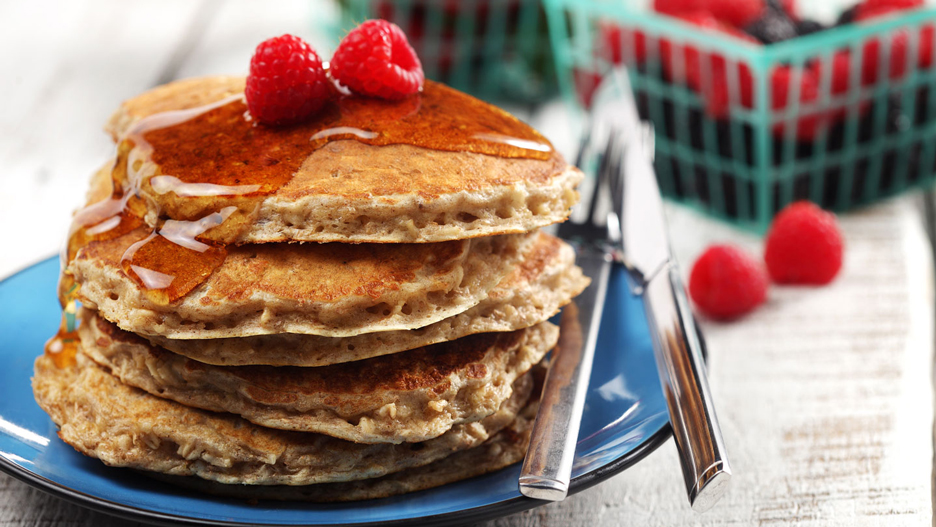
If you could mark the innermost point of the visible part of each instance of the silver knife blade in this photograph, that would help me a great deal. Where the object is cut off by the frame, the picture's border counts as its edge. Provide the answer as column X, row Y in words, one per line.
column 644, row 236
column 655, row 276
column 643, row 228
column 547, row 468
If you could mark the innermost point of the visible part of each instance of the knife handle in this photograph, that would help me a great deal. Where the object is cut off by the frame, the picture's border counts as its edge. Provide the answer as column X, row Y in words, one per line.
column 682, row 375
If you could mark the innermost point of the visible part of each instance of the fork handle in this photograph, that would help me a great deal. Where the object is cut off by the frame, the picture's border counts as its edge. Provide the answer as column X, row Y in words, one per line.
column 682, row 373
column 547, row 468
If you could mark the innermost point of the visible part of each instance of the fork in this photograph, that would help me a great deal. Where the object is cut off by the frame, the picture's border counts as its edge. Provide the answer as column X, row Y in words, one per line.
column 547, row 468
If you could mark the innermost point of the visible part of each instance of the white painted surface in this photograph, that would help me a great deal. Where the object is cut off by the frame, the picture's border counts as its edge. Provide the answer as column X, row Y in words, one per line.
column 825, row 395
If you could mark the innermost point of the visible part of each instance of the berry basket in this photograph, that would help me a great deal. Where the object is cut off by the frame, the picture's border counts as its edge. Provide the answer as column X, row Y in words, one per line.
column 840, row 117
column 494, row 49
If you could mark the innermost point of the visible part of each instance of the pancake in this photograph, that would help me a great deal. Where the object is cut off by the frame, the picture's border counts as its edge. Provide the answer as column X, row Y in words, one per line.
column 505, row 448
column 126, row 427
column 178, row 95
column 333, row 290
column 344, row 191
column 411, row 396
column 545, row 280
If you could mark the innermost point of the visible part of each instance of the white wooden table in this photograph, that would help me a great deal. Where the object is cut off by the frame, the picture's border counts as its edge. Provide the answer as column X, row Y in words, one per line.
column 825, row 395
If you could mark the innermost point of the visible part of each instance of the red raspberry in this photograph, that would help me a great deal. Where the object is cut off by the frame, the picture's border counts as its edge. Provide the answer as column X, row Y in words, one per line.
column 726, row 282
column 613, row 39
column 738, row 13
column 871, row 61
column 586, row 84
column 872, row 8
column 287, row 83
column 715, row 91
column 376, row 59
column 804, row 245
column 809, row 122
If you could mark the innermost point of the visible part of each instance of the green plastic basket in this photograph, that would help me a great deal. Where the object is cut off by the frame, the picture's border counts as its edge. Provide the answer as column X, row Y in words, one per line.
column 729, row 142
column 497, row 50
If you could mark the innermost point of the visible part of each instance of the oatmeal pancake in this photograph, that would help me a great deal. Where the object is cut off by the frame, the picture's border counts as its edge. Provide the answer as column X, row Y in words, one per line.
column 505, row 448
column 325, row 181
column 411, row 396
column 126, row 427
column 333, row 290
column 545, row 280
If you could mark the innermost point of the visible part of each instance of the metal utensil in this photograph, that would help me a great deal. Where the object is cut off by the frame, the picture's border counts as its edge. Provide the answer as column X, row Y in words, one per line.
column 547, row 467
column 655, row 276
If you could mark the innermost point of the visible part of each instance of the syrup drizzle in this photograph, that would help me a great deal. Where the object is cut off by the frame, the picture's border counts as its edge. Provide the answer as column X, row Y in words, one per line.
column 64, row 345
column 216, row 151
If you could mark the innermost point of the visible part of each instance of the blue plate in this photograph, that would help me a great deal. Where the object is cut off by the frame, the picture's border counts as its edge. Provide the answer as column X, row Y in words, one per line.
column 625, row 419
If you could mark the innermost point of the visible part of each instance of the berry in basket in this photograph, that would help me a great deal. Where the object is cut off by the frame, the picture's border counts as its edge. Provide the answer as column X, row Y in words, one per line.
column 773, row 25
column 749, row 118
column 755, row 22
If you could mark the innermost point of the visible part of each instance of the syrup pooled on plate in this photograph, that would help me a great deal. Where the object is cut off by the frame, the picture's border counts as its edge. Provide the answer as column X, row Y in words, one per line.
column 217, row 154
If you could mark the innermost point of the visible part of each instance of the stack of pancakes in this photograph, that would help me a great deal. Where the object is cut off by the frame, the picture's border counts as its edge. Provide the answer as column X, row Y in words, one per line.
column 369, row 323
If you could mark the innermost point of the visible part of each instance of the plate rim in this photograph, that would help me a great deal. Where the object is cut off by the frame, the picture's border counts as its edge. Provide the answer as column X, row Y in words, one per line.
column 473, row 514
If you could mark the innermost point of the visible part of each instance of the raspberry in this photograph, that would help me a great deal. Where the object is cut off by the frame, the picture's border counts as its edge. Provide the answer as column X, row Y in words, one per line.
column 287, row 83
column 726, row 282
column 804, row 245
column 873, row 8
column 376, row 59
column 809, row 122
column 715, row 91
column 871, row 62
column 586, row 84
column 616, row 42
column 738, row 13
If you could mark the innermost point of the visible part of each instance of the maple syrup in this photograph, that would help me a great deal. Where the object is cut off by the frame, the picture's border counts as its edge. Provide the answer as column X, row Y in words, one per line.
column 63, row 347
column 216, row 150
column 220, row 147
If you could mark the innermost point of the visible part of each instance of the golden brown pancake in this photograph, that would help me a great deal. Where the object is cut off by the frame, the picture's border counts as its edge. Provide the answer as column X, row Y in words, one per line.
column 505, row 448
column 545, row 280
column 411, row 396
column 347, row 190
column 332, row 290
column 126, row 427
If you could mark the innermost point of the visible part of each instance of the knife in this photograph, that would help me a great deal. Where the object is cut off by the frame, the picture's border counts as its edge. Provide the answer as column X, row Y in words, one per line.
column 654, row 275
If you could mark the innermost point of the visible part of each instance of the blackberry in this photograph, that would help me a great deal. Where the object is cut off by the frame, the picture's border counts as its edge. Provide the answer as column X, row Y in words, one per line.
column 774, row 25
column 897, row 118
column 847, row 16
column 806, row 27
